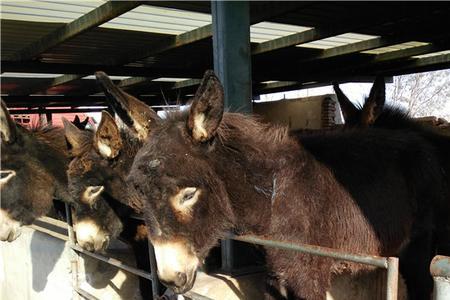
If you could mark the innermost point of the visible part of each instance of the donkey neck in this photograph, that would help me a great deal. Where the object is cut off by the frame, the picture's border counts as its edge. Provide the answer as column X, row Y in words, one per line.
column 250, row 158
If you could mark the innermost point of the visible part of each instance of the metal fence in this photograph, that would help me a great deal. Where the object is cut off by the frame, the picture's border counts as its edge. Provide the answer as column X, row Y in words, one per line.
column 388, row 263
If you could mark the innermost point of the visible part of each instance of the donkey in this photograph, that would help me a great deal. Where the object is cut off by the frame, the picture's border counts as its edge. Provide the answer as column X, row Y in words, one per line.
column 375, row 113
column 100, row 162
column 38, row 159
column 204, row 172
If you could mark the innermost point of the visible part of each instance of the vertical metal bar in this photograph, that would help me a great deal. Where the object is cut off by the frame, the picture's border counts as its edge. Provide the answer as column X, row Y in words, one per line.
column 232, row 52
column 232, row 64
column 73, row 254
column 440, row 270
column 392, row 278
column 153, row 271
column 48, row 117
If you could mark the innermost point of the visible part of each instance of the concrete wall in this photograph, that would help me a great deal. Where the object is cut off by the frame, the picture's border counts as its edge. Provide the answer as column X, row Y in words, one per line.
column 36, row 266
column 301, row 113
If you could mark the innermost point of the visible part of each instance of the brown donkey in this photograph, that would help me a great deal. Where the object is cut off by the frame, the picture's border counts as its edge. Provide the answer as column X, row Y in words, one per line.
column 205, row 172
column 38, row 159
column 101, row 161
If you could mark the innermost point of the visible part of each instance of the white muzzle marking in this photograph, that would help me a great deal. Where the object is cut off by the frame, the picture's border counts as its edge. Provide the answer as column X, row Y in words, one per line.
column 9, row 228
column 173, row 257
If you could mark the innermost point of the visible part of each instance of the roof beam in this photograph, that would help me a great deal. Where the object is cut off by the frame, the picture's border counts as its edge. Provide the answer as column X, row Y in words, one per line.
column 370, row 67
column 63, row 100
column 94, row 18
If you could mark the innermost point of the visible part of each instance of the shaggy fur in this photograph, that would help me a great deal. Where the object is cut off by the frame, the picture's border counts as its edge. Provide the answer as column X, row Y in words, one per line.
column 368, row 193
column 39, row 158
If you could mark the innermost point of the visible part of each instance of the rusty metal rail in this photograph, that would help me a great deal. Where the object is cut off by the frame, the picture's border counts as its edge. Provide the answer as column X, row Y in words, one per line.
column 389, row 263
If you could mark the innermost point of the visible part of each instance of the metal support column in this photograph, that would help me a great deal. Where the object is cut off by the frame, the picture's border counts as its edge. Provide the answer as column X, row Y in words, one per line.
column 232, row 52
column 232, row 64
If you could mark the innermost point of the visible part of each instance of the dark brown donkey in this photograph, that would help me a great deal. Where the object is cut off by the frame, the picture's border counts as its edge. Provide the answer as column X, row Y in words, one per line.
column 39, row 160
column 375, row 113
column 101, row 161
column 205, row 172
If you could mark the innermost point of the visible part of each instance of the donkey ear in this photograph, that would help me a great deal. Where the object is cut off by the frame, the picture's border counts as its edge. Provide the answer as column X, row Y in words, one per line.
column 107, row 138
column 375, row 102
column 134, row 113
column 8, row 128
column 91, row 194
column 207, row 108
column 85, row 122
column 5, row 176
column 74, row 136
column 348, row 109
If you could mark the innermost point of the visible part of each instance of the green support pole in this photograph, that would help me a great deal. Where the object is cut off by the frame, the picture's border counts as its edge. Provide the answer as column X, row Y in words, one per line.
column 232, row 52
column 232, row 64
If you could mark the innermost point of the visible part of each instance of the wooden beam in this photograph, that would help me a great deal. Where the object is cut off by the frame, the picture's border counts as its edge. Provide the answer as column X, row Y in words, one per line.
column 94, row 18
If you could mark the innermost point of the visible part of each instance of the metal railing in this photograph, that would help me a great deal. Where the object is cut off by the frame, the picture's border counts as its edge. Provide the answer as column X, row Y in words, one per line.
column 440, row 270
column 388, row 263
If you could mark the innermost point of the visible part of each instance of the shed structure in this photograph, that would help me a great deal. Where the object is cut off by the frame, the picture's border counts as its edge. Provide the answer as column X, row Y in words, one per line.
column 158, row 50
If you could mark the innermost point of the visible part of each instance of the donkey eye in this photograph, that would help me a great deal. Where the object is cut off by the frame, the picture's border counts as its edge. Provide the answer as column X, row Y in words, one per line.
column 189, row 193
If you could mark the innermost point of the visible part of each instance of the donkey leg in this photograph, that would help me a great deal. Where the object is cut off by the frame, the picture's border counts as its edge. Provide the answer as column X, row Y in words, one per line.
column 275, row 290
column 414, row 267
column 303, row 276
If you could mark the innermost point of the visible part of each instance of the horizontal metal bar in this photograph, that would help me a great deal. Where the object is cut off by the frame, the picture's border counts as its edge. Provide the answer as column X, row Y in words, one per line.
column 195, row 296
column 440, row 266
column 377, row 261
column 114, row 262
column 55, row 111
column 50, row 232
column 84, row 293
column 54, row 222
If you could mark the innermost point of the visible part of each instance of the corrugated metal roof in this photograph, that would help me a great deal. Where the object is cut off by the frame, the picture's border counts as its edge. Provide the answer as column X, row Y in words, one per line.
column 396, row 47
column 144, row 18
column 338, row 40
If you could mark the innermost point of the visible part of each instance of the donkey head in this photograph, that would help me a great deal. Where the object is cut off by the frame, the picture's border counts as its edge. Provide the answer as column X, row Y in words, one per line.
column 32, row 173
column 186, row 206
column 89, row 175
column 371, row 110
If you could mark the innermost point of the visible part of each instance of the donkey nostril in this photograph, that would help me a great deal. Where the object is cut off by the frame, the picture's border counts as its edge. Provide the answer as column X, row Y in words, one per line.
column 181, row 279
